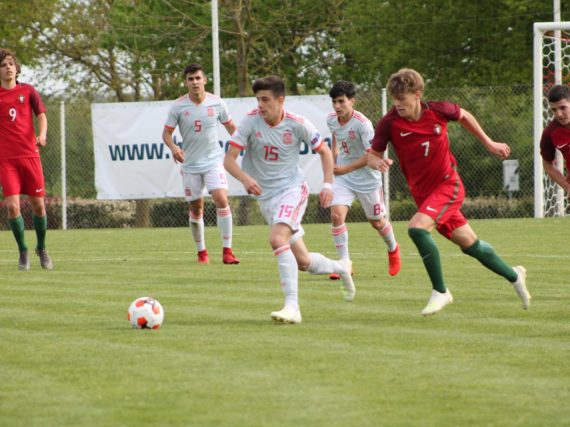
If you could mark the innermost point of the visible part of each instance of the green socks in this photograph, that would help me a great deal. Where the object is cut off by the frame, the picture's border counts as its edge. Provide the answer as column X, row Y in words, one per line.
column 18, row 227
column 430, row 256
column 40, row 225
column 486, row 255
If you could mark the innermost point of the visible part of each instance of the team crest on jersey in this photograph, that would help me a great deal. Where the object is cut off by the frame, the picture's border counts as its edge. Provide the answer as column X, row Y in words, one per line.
column 437, row 129
column 258, row 134
column 21, row 98
column 186, row 113
column 351, row 134
column 188, row 192
column 287, row 137
column 210, row 112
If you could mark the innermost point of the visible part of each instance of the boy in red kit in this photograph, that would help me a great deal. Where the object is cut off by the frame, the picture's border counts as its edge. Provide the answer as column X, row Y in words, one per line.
column 20, row 165
column 556, row 136
column 418, row 133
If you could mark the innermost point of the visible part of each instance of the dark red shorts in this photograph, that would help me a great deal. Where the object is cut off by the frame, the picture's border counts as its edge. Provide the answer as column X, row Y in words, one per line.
column 22, row 176
column 444, row 204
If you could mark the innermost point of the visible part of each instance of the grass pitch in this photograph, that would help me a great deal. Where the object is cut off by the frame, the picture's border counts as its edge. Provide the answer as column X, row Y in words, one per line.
column 68, row 356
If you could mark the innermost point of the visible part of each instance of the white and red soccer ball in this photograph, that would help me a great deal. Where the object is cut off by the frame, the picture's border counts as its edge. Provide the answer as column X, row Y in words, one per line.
column 146, row 313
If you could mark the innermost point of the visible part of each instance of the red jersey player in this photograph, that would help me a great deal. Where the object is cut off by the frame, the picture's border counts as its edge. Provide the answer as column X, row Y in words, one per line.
column 20, row 165
column 556, row 136
column 418, row 133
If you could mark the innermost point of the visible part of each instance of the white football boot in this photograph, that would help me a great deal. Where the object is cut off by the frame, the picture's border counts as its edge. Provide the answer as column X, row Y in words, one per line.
column 287, row 315
column 520, row 286
column 348, row 288
column 436, row 302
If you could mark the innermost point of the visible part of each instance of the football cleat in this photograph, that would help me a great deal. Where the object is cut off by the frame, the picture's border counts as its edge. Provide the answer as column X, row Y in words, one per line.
column 203, row 257
column 229, row 257
column 348, row 288
column 45, row 259
column 287, row 315
column 520, row 287
column 24, row 261
column 394, row 261
column 436, row 302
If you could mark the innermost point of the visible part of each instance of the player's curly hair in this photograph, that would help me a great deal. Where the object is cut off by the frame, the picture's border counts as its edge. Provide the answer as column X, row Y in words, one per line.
column 7, row 52
column 272, row 83
column 558, row 93
column 343, row 87
column 404, row 81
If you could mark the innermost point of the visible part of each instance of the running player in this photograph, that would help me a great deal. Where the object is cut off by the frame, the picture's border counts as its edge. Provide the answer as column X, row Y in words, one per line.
column 20, row 165
column 351, row 135
column 556, row 136
column 197, row 115
column 418, row 133
column 271, row 138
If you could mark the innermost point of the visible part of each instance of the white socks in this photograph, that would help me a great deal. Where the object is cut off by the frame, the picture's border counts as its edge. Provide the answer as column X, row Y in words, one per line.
column 340, row 238
column 197, row 227
column 224, row 221
column 320, row 264
column 288, row 275
column 387, row 234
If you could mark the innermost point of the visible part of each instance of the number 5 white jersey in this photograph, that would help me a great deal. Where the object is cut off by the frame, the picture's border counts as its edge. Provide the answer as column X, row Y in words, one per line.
column 198, row 124
column 353, row 141
column 272, row 152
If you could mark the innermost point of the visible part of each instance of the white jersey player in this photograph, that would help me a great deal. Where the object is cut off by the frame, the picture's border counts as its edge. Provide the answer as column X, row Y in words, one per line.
column 271, row 139
column 197, row 115
column 352, row 132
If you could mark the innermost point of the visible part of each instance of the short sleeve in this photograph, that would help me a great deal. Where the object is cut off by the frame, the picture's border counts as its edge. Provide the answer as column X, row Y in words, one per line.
column 366, row 134
column 36, row 102
column 224, row 113
column 547, row 150
column 382, row 134
column 311, row 135
column 172, row 118
column 240, row 137
column 448, row 110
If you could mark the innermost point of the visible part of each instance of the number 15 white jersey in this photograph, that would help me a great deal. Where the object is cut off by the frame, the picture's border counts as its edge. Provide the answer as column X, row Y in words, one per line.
column 272, row 152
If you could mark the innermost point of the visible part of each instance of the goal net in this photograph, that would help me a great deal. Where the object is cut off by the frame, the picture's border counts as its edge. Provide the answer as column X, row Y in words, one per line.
column 551, row 66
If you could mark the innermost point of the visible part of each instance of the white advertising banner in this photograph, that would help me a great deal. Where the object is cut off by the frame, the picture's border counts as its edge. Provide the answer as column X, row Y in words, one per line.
column 132, row 162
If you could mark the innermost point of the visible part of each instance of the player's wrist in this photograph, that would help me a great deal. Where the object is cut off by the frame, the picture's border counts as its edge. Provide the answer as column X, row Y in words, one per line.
column 327, row 186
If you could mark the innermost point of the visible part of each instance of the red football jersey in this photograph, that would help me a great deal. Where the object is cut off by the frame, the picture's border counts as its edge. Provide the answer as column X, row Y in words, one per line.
column 422, row 146
column 17, row 134
column 555, row 136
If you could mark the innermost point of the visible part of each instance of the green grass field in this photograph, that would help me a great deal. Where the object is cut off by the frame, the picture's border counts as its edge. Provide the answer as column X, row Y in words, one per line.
column 68, row 356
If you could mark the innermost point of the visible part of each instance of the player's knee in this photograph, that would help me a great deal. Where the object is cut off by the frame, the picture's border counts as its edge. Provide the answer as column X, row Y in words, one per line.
column 337, row 218
column 378, row 224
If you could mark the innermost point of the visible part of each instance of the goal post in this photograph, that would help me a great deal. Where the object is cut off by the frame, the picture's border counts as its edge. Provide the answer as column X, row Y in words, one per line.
column 551, row 66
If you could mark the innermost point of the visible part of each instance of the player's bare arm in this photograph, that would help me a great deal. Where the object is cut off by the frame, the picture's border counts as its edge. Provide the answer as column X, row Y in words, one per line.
column 470, row 123
column 326, row 194
column 230, row 127
column 230, row 164
column 351, row 167
column 41, row 138
column 376, row 161
column 555, row 174
column 177, row 152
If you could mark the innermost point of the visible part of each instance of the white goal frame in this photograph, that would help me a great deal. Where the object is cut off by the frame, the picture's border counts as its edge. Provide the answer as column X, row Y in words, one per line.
column 540, row 28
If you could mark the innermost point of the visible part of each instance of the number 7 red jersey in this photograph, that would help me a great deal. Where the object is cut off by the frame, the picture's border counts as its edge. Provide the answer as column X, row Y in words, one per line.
column 17, row 134
column 422, row 146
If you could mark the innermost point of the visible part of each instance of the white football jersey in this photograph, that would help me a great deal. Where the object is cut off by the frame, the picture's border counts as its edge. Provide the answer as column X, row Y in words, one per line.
column 353, row 141
column 198, row 124
column 272, row 152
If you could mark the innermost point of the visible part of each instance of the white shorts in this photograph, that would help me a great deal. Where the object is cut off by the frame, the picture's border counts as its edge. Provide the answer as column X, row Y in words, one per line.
column 195, row 183
column 287, row 207
column 372, row 203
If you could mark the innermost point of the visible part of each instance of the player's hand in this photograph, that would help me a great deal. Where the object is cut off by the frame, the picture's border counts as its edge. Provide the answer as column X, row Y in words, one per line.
column 325, row 197
column 499, row 149
column 178, row 154
column 380, row 164
column 251, row 186
column 41, row 140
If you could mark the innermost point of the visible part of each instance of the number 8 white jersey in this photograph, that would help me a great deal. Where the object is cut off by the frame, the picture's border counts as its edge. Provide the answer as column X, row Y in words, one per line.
column 353, row 141
column 198, row 124
column 272, row 152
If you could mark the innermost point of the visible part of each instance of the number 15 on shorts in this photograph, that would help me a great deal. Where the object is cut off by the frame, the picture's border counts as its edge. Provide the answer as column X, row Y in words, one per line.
column 285, row 211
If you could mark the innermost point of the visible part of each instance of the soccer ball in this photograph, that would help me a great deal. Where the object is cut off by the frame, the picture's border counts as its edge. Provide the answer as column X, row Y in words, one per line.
column 146, row 313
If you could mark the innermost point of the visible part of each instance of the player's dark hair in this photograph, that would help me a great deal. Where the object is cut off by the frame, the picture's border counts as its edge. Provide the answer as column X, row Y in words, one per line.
column 558, row 93
column 343, row 87
column 273, row 83
column 405, row 81
column 5, row 53
column 193, row 68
